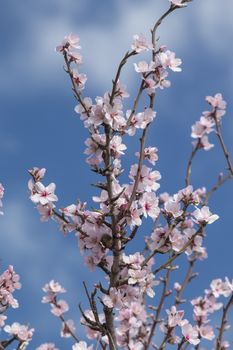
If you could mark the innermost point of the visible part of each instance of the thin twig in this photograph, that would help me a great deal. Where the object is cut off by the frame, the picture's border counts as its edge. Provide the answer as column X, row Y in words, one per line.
column 158, row 311
column 222, row 143
column 189, row 165
column 74, row 87
column 186, row 280
column 220, row 182
column 223, row 322
column 176, row 255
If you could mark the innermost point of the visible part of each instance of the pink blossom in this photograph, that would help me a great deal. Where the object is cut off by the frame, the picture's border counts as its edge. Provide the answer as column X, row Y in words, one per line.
column 134, row 216
column 204, row 126
column 149, row 203
column 70, row 41
column 87, row 102
column 46, row 211
column 168, row 60
column 2, row 320
column 114, row 299
column 121, row 90
column 59, row 308
column 47, row 346
column 205, row 144
column 144, row 67
column 216, row 101
column 140, row 43
column 190, row 334
column 150, row 85
column 206, row 331
column 82, row 345
column 172, row 208
column 117, row 147
column 178, row 240
column 21, row 332
column 44, row 195
column 177, row 286
column 79, row 79
column 75, row 57
column 53, row 287
column 179, row 3
column 174, row 317
column 204, row 216
column 68, row 328
column 150, row 153
column 37, row 173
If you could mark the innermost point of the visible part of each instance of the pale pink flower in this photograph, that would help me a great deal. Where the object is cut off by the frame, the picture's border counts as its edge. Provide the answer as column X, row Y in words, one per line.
column 168, row 60
column 87, row 101
column 150, row 85
column 79, row 79
column 53, row 287
column 140, row 43
column 216, row 101
column 206, row 331
column 44, row 195
column 76, row 57
column 121, row 90
column 144, row 118
column 144, row 67
column 70, row 41
column 180, row 3
column 37, row 173
column 47, row 346
column 82, row 345
column 68, row 328
column 178, row 240
column 174, row 317
column 204, row 216
column 173, row 208
column 114, row 299
column 218, row 287
column 46, row 211
column 134, row 260
column 190, row 334
column 117, row 147
column 134, row 216
column 161, row 81
column 150, row 153
column 205, row 144
column 150, row 205
column 21, row 332
column 177, row 286
column 59, row 308
column 2, row 320
column 204, row 126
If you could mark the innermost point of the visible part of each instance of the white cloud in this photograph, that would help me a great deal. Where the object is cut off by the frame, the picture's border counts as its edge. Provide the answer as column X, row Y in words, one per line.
column 32, row 61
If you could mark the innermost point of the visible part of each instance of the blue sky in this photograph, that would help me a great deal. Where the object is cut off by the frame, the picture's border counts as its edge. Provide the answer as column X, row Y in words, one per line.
column 39, row 127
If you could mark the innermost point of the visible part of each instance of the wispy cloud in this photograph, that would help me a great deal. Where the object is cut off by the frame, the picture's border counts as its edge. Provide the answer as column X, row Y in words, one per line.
column 31, row 59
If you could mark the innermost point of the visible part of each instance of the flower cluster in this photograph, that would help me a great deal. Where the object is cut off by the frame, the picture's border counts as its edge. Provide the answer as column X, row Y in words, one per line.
column 69, row 48
column 154, row 73
column 9, row 282
column 58, row 307
column 202, row 128
column 183, row 231
column 20, row 332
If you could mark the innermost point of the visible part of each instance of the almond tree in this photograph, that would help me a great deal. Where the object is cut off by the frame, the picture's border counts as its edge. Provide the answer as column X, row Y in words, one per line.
column 135, row 306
